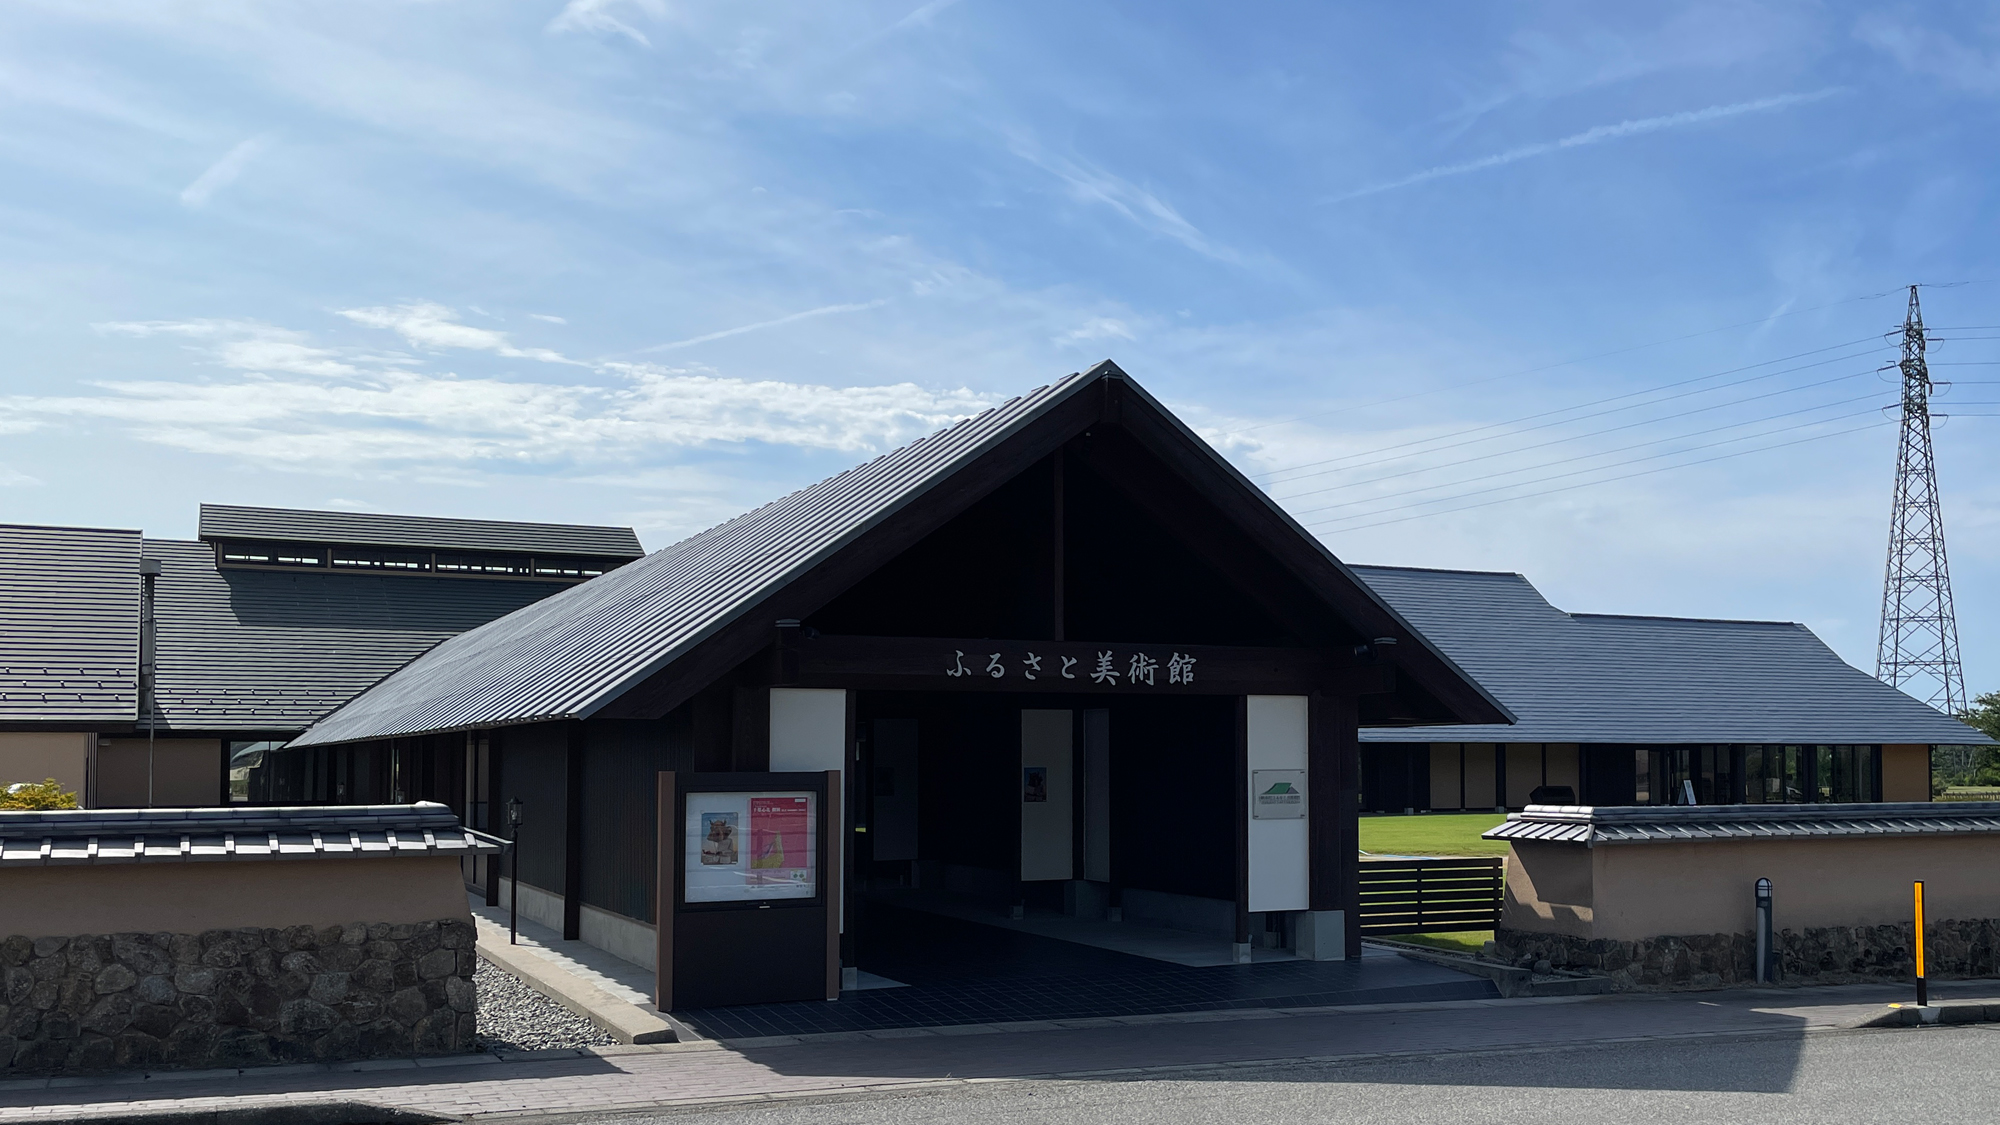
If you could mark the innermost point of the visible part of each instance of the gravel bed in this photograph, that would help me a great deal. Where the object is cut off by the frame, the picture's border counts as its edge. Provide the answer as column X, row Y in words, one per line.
column 514, row 1017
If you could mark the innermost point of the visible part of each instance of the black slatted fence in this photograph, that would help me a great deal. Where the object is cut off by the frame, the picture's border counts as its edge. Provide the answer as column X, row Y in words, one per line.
column 1428, row 896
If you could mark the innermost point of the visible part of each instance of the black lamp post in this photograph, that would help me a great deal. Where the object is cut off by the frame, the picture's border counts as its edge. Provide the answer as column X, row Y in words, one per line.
column 514, row 896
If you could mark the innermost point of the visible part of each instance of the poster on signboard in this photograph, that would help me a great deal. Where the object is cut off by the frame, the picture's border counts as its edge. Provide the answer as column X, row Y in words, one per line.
column 780, row 849
column 747, row 847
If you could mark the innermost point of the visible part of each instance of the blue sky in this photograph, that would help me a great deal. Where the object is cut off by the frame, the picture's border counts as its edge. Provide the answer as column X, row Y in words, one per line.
column 1591, row 292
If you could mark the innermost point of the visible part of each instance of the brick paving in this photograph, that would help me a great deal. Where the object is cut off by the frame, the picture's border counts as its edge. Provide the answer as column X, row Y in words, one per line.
column 601, row 1079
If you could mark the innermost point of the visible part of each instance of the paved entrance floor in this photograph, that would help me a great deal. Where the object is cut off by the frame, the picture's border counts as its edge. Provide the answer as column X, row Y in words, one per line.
column 1241, row 1043
column 962, row 972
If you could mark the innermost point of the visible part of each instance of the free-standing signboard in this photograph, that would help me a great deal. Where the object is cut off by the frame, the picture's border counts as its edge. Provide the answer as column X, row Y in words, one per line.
column 746, row 883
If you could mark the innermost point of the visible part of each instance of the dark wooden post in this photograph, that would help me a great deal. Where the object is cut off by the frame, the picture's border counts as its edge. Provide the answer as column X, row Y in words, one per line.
column 1333, row 764
column 667, row 825
column 1241, row 760
column 832, row 859
column 573, row 749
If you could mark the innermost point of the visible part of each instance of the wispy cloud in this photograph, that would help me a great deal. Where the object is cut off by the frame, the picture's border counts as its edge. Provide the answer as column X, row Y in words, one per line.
column 246, row 345
column 921, row 16
column 381, row 416
column 1095, row 185
column 223, row 172
column 430, row 325
column 1594, row 136
column 551, row 318
column 14, row 478
column 823, row 310
column 1923, row 51
column 600, row 15
column 1097, row 328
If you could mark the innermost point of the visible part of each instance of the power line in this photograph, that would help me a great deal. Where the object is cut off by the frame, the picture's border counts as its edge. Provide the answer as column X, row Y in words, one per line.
column 1601, row 468
column 1569, row 362
column 1267, row 475
column 1623, row 449
column 1578, row 437
column 1607, row 480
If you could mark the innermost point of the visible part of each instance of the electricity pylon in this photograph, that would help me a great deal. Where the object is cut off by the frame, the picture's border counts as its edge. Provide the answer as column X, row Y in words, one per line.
column 1918, row 646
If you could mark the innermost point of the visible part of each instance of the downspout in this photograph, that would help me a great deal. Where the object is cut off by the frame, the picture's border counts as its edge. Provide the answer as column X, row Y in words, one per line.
column 149, row 574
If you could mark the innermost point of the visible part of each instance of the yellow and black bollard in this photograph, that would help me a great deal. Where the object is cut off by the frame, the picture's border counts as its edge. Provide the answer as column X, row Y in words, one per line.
column 1923, row 991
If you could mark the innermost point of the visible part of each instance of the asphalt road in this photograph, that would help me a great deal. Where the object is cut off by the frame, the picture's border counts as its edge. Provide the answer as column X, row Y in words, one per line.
column 1939, row 1074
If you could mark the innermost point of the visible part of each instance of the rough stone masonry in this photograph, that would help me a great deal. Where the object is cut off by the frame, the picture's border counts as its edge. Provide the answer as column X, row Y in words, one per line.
column 235, row 997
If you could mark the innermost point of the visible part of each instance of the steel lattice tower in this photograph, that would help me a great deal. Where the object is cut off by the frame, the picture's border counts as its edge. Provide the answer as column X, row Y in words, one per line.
column 1918, row 646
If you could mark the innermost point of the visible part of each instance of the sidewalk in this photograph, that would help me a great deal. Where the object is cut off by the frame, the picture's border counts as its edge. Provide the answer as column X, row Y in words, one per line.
column 637, row 1077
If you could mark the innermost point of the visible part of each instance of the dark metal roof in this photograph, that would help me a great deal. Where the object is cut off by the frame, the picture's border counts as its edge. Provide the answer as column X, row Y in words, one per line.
column 271, row 651
column 571, row 654
column 78, row 836
column 226, row 521
column 1584, row 824
column 69, row 625
column 1598, row 678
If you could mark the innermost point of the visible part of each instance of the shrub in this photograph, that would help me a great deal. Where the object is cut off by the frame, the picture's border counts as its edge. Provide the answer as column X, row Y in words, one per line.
column 48, row 794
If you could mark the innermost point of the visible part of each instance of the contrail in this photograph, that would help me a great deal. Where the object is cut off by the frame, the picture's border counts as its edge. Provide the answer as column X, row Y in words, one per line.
column 1593, row 136
column 823, row 310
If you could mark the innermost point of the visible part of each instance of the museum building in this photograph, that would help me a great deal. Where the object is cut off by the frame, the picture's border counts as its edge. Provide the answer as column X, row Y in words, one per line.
column 1618, row 710
column 1060, row 654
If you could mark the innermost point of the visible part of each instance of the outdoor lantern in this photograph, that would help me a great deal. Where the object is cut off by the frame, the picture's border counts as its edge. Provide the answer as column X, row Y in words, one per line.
column 514, row 892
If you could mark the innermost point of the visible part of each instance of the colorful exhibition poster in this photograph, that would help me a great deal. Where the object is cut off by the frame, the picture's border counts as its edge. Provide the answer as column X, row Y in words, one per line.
column 743, row 847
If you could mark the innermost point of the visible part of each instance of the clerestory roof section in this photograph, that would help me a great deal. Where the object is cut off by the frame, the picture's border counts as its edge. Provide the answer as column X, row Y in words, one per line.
column 569, row 656
column 69, row 625
column 270, row 652
column 1601, row 678
column 372, row 529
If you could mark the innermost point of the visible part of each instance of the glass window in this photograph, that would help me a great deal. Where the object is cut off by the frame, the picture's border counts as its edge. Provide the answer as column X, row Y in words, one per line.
column 369, row 558
column 459, row 563
column 254, row 553
column 1846, row 774
column 560, row 567
column 250, row 772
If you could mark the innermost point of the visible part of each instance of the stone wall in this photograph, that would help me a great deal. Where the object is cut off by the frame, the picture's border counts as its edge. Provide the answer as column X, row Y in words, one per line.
column 235, row 997
column 1827, row 955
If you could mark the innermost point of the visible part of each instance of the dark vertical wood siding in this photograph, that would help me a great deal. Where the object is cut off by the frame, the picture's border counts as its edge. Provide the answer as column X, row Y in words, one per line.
column 534, row 771
column 622, row 760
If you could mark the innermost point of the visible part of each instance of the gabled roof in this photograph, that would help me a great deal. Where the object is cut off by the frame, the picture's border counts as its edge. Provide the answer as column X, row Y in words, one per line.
column 571, row 655
column 374, row 529
column 1599, row 678
column 270, row 651
column 69, row 625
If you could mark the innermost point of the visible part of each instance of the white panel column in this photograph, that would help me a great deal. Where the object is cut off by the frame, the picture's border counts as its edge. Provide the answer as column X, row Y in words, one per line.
column 1280, row 841
column 1048, row 814
column 809, row 735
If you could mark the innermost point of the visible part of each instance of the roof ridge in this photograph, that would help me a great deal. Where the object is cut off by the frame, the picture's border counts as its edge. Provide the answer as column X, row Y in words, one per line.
column 1701, row 620
column 1441, row 570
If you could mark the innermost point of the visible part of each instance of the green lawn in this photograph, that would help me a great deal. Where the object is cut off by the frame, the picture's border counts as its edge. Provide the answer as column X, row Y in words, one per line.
column 1463, row 941
column 1431, row 834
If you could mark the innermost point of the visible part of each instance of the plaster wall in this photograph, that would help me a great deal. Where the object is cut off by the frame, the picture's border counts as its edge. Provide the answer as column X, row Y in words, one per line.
column 186, row 772
column 1630, row 892
column 192, row 898
column 40, row 755
column 1906, row 773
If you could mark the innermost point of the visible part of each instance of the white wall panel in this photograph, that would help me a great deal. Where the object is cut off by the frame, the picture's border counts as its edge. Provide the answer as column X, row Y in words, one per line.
column 1048, row 826
column 1280, row 850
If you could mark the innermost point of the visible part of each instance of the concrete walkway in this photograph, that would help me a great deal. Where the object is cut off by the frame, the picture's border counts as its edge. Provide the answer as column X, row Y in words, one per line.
column 1128, row 1048
column 607, row 990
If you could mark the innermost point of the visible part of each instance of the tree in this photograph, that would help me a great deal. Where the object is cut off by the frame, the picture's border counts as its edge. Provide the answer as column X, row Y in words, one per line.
column 48, row 794
column 1970, row 766
column 1985, row 714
